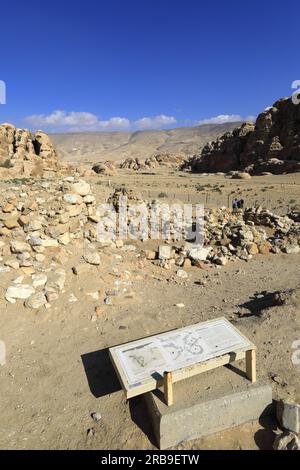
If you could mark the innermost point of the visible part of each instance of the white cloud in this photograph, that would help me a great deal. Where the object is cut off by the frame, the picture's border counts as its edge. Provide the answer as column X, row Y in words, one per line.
column 62, row 121
column 75, row 121
column 155, row 122
column 224, row 118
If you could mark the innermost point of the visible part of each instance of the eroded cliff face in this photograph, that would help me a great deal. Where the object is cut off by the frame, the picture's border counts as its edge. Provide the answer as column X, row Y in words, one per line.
column 271, row 144
column 25, row 153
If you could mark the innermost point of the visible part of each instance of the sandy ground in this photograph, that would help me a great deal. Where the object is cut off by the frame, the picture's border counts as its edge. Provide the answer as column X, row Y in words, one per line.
column 277, row 192
column 57, row 369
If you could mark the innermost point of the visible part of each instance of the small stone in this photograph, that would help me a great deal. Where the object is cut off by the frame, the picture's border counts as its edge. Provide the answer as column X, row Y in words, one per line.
column 19, row 247
column 74, row 211
column 64, row 239
column 119, row 243
column 94, row 218
column 28, row 270
column 35, row 241
column 4, row 269
column 73, row 298
column 286, row 441
column 187, row 263
column 164, row 252
column 11, row 223
column 288, row 415
column 4, row 232
column 199, row 253
column 22, row 291
column 40, row 257
column 49, row 242
column 98, row 311
column 8, row 208
column 82, row 188
column 60, row 279
column 71, row 198
column 64, row 218
column 92, row 257
column 252, row 248
column 89, row 199
column 182, row 274
column 90, row 432
column 291, row 249
column 276, row 378
column 51, row 295
column 221, row 261
column 39, row 280
column 36, row 301
column 96, row 417
column 23, row 220
column 12, row 263
column 151, row 255
column 264, row 247
column 108, row 301
column 35, row 225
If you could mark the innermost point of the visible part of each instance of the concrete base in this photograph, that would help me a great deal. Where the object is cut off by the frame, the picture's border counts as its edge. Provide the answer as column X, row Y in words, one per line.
column 205, row 404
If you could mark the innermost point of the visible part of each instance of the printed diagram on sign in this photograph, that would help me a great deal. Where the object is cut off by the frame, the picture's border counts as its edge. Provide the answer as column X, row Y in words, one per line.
column 151, row 357
column 190, row 344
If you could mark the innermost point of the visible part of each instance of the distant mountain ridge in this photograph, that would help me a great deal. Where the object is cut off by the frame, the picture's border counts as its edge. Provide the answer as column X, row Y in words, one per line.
column 118, row 146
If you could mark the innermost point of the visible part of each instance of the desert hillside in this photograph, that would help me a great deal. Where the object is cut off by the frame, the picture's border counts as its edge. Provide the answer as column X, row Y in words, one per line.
column 118, row 146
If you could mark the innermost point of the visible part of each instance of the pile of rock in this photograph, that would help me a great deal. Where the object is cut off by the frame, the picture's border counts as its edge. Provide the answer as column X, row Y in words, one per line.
column 104, row 168
column 23, row 153
column 134, row 164
column 288, row 416
column 272, row 144
column 164, row 160
column 37, row 223
column 41, row 220
column 232, row 237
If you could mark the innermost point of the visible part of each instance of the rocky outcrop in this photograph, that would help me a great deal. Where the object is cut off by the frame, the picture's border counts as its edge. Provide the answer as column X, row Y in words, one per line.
column 164, row 160
column 271, row 144
column 104, row 168
column 23, row 153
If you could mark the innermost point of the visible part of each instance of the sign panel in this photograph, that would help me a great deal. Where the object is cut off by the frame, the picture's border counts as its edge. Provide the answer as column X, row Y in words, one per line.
column 148, row 358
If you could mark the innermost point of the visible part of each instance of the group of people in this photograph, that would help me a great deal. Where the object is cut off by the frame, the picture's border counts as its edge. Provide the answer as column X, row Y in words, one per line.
column 237, row 204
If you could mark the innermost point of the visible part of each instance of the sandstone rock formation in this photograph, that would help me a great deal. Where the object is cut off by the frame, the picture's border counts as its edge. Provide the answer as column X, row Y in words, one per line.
column 271, row 144
column 104, row 168
column 156, row 161
column 23, row 153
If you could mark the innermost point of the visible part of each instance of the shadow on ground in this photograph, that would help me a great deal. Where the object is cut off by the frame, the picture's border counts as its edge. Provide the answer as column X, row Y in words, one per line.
column 258, row 303
column 140, row 416
column 100, row 373
column 265, row 437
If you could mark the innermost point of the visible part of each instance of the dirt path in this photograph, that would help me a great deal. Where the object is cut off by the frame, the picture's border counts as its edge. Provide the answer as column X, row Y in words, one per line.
column 57, row 372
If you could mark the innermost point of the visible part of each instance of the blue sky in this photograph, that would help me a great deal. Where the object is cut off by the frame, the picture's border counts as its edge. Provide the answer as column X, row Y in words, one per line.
column 106, row 65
